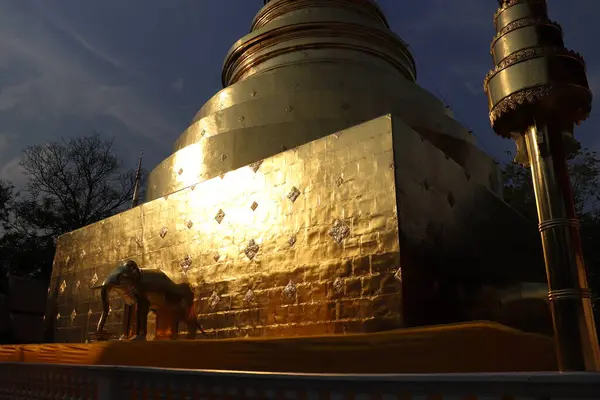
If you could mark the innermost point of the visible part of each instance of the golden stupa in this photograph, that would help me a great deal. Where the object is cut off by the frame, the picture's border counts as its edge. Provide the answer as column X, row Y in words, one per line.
column 321, row 192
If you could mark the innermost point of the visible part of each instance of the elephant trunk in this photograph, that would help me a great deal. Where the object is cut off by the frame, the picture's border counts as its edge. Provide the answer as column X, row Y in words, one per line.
column 104, row 293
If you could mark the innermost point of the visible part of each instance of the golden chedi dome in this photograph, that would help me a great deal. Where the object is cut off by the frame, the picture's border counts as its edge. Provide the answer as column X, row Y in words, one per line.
column 309, row 68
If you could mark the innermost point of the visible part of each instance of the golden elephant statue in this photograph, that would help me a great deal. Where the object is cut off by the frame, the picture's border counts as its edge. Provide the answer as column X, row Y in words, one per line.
column 149, row 290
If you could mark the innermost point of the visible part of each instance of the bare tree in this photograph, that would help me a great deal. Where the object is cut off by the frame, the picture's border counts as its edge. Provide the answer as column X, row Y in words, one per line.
column 71, row 183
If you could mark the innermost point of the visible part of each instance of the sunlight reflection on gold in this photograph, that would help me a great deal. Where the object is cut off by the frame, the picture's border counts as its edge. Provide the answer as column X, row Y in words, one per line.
column 263, row 226
column 188, row 165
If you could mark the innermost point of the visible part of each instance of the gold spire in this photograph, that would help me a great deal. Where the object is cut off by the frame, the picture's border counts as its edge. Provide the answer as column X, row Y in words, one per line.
column 137, row 183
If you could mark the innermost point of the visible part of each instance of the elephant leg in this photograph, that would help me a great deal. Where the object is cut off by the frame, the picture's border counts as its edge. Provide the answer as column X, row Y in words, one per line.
column 142, row 319
column 174, row 325
column 129, row 312
column 191, row 322
column 105, row 309
column 192, row 327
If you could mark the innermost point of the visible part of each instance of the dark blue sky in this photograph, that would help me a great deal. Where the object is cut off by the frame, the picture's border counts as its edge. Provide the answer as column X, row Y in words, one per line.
column 140, row 69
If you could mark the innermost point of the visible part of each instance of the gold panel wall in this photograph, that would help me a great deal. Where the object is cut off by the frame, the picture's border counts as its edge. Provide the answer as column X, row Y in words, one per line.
column 305, row 242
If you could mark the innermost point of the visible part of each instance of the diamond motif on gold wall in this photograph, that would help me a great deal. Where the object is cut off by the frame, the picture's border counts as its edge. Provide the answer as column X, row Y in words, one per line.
column 337, row 135
column 180, row 171
column 293, row 194
column 251, row 250
column 63, row 287
column 249, row 297
column 189, row 224
column 203, row 132
column 339, row 231
column 58, row 316
column 290, row 289
column 283, row 148
column 186, row 264
column 89, row 312
column 94, row 279
column 292, row 240
column 254, row 206
column 163, row 232
column 339, row 181
column 256, row 165
column 398, row 275
column 216, row 257
column 220, row 215
column 223, row 157
column 73, row 315
column 78, row 285
column 253, row 93
column 289, row 109
column 338, row 285
column 213, row 300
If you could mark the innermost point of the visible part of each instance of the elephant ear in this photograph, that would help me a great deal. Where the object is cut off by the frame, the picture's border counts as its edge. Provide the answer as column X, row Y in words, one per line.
column 136, row 273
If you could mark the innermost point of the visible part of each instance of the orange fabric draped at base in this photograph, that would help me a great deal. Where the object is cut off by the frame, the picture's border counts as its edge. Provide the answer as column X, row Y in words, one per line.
column 468, row 347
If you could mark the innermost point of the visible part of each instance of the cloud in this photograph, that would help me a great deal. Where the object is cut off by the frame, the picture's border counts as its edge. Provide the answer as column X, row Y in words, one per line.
column 64, row 27
column 444, row 16
column 594, row 81
column 177, row 86
column 6, row 140
column 12, row 96
column 67, row 78
column 13, row 172
column 123, row 103
column 470, row 75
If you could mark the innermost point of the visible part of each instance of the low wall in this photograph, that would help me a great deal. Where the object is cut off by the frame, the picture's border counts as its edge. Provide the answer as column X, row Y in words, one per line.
column 26, row 381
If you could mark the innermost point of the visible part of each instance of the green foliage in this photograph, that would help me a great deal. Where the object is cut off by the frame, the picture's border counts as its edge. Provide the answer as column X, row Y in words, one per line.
column 27, row 256
column 584, row 168
column 518, row 190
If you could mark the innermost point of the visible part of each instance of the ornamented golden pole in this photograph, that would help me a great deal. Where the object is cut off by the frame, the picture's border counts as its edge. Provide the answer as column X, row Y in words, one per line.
column 536, row 93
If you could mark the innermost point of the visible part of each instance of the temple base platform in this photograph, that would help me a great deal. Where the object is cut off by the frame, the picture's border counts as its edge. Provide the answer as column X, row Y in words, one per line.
column 458, row 348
